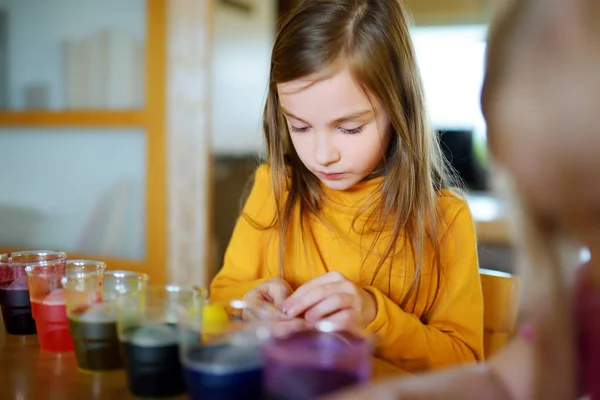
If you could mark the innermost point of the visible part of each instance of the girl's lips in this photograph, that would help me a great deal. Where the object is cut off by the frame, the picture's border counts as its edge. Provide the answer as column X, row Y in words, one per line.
column 332, row 176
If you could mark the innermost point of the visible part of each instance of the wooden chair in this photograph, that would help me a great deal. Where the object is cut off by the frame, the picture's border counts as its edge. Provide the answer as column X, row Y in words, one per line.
column 501, row 296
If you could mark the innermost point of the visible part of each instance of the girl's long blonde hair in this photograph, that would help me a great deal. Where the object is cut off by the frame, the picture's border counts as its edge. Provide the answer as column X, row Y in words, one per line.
column 372, row 39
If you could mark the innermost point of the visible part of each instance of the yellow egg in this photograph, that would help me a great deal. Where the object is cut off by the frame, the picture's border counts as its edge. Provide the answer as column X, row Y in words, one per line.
column 214, row 318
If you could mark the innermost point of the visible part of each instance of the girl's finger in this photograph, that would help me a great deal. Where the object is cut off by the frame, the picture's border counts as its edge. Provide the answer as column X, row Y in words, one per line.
column 278, row 291
column 330, row 305
column 260, row 309
column 248, row 314
column 286, row 328
column 345, row 319
column 329, row 277
column 298, row 305
column 269, row 312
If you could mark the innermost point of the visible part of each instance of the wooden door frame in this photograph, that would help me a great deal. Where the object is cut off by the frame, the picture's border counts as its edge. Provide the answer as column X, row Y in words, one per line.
column 188, row 147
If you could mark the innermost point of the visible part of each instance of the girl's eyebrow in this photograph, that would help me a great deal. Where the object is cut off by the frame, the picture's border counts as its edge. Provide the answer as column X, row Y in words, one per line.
column 349, row 117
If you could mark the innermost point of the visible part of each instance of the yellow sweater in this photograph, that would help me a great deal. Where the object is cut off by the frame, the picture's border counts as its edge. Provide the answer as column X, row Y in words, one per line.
column 454, row 332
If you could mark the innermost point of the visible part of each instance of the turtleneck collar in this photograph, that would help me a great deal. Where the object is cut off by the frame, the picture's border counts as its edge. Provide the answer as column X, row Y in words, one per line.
column 357, row 196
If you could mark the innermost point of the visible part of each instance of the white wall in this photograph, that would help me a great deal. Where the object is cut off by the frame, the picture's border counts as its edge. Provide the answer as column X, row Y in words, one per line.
column 451, row 60
column 240, row 70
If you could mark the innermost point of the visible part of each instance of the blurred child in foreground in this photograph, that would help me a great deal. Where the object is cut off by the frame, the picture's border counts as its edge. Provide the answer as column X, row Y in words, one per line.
column 541, row 101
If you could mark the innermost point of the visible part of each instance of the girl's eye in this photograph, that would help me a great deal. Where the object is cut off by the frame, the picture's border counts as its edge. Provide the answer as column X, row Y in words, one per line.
column 352, row 131
column 299, row 129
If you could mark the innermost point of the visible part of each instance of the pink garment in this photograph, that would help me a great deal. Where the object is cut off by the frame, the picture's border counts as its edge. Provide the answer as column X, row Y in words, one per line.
column 526, row 332
column 587, row 316
column 587, row 321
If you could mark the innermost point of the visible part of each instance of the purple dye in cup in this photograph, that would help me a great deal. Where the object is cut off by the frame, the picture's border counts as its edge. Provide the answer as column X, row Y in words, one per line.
column 309, row 364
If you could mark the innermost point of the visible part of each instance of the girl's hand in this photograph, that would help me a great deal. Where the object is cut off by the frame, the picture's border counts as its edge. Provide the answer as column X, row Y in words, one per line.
column 264, row 304
column 332, row 297
column 265, row 301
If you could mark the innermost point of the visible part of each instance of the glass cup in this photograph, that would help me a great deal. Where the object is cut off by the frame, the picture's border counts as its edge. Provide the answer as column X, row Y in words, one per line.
column 147, row 327
column 96, row 326
column 83, row 285
column 310, row 363
column 14, row 288
column 220, row 361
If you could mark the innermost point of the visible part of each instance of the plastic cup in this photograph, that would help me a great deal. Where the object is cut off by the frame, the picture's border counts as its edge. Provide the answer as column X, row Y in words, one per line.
column 117, row 283
column 222, row 361
column 147, row 327
column 48, row 306
column 311, row 363
column 96, row 326
column 14, row 287
column 93, row 336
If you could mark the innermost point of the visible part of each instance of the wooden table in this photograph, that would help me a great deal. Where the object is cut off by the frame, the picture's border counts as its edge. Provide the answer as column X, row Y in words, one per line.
column 26, row 373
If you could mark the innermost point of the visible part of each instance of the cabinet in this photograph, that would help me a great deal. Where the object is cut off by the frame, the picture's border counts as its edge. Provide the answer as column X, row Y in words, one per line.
column 103, row 117
column 82, row 130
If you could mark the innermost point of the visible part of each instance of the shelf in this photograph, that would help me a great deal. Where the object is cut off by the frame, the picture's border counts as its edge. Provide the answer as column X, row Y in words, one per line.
column 72, row 118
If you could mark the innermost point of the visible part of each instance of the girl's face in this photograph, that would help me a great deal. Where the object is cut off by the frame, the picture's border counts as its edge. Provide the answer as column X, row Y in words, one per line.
column 340, row 133
column 544, row 123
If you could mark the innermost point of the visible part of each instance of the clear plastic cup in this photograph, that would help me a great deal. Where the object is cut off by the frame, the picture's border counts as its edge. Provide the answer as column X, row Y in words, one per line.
column 310, row 363
column 117, row 283
column 147, row 327
column 48, row 305
column 92, row 336
column 221, row 358
column 14, row 287
column 96, row 326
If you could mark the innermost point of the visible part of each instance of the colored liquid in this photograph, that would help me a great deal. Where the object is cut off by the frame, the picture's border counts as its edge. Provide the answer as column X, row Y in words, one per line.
column 310, row 364
column 307, row 383
column 96, row 345
column 153, row 370
column 208, row 378
column 16, row 312
column 52, row 327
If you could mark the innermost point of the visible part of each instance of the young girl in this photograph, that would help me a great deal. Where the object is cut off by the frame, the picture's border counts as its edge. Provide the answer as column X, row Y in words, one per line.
column 351, row 220
column 541, row 98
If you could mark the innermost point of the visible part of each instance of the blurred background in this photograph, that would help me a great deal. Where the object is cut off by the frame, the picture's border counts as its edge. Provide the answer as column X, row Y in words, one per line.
column 129, row 129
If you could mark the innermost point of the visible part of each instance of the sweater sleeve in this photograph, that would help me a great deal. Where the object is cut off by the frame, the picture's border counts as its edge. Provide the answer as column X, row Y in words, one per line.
column 245, row 263
column 454, row 332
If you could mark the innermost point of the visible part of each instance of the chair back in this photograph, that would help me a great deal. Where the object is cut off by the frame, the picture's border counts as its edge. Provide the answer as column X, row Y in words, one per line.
column 501, row 296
